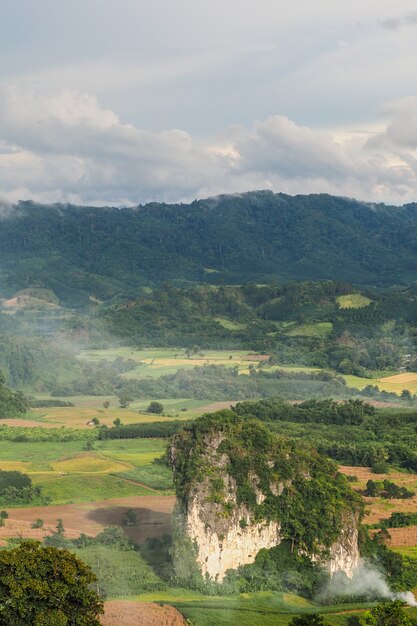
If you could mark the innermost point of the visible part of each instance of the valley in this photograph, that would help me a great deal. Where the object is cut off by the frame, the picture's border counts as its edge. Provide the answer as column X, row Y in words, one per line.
column 103, row 370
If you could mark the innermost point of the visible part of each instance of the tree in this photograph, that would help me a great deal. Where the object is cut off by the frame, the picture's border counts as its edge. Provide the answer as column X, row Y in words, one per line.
column 387, row 614
column 45, row 586
column 130, row 518
column 38, row 524
column 313, row 619
column 60, row 527
column 124, row 400
column 106, row 404
column 117, row 422
column 155, row 407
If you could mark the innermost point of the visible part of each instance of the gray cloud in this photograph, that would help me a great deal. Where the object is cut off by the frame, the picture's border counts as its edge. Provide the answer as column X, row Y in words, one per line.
column 395, row 23
column 66, row 147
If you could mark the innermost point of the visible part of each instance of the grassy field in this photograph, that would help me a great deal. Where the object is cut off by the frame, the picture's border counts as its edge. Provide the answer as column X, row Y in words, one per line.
column 395, row 383
column 88, row 407
column 68, row 472
column 353, row 301
column 67, row 489
column 120, row 573
column 157, row 362
column 254, row 609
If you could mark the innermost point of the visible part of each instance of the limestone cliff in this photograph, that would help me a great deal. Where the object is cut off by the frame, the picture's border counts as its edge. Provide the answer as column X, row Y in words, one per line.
column 344, row 553
column 234, row 500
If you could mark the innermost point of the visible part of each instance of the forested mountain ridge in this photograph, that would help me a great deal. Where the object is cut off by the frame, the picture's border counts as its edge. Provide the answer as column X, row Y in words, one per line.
column 81, row 251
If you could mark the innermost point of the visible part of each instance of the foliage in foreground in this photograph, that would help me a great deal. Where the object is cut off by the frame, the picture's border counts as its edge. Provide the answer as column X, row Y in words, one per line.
column 387, row 614
column 46, row 586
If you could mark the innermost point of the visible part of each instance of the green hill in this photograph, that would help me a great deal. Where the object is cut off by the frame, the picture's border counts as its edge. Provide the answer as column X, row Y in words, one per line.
column 79, row 252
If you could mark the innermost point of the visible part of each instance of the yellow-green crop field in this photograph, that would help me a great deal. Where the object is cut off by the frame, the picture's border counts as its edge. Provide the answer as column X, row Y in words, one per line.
column 69, row 473
column 395, row 383
column 353, row 301
column 158, row 362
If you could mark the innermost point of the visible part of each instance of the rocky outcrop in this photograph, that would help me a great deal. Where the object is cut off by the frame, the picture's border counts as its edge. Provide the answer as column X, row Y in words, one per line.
column 344, row 553
column 224, row 543
column 227, row 543
column 227, row 529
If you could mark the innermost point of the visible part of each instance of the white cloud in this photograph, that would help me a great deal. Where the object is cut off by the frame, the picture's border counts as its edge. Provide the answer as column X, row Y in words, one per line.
column 66, row 147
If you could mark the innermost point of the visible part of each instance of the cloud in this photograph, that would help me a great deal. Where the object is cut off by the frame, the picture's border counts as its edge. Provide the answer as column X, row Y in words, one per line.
column 395, row 23
column 65, row 147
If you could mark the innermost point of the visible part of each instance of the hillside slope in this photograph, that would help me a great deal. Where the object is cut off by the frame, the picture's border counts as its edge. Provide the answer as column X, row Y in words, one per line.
column 105, row 251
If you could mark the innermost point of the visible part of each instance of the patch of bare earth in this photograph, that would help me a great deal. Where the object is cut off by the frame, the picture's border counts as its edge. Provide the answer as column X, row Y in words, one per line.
column 381, row 508
column 118, row 613
column 153, row 514
column 403, row 537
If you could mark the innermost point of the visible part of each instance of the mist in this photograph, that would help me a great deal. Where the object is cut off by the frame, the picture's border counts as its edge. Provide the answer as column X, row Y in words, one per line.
column 368, row 581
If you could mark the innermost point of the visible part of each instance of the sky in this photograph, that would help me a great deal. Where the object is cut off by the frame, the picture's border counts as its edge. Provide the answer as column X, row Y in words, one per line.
column 121, row 102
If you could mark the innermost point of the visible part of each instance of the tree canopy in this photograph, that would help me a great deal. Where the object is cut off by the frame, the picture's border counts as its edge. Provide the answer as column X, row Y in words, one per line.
column 46, row 586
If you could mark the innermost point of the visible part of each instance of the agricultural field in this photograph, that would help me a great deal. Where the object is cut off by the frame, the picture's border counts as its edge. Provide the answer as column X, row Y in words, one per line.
column 252, row 609
column 402, row 539
column 320, row 329
column 131, row 613
column 86, row 408
column 353, row 301
column 68, row 472
column 158, row 362
column 153, row 514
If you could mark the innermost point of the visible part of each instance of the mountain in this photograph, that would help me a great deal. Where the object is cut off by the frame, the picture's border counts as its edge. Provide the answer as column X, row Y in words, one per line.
column 86, row 251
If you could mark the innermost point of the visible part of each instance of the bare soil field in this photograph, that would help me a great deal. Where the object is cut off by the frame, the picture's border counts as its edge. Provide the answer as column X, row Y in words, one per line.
column 153, row 518
column 138, row 614
column 403, row 537
column 380, row 508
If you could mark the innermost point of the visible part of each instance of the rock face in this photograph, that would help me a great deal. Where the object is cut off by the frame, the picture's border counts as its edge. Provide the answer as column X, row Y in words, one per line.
column 225, row 543
column 344, row 553
column 225, row 531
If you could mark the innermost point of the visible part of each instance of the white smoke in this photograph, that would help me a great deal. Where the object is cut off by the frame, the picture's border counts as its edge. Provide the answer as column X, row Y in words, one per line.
column 368, row 581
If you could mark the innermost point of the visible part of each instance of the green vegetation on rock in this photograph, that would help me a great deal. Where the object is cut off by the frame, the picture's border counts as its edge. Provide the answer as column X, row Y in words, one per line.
column 302, row 489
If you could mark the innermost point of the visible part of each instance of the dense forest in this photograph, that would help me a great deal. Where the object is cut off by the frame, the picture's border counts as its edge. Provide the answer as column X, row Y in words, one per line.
column 83, row 251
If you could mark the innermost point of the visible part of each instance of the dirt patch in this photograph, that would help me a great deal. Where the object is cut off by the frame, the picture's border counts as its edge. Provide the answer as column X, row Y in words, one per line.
column 255, row 357
column 153, row 515
column 138, row 614
column 381, row 508
column 403, row 537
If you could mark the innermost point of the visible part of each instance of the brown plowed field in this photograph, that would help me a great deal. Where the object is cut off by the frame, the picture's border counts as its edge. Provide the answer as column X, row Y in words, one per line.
column 153, row 515
column 125, row 613
column 403, row 537
column 380, row 508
